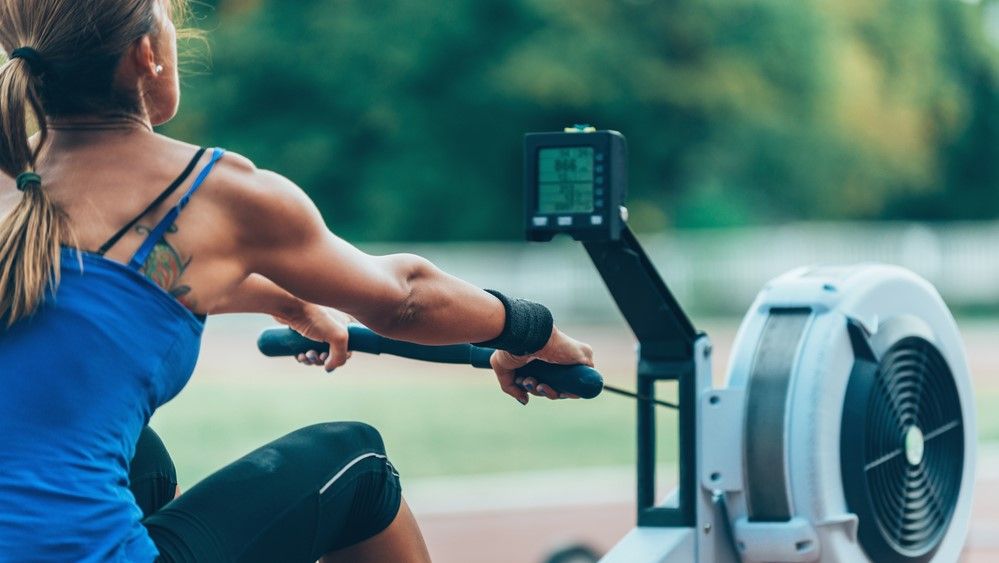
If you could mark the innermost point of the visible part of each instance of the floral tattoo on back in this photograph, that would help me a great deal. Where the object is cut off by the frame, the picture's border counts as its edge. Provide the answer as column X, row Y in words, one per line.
column 165, row 266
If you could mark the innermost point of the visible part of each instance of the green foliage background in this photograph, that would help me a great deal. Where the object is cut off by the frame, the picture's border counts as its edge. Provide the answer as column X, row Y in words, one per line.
column 403, row 119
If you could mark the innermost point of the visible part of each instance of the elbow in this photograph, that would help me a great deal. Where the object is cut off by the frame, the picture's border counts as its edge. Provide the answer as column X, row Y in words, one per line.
column 407, row 303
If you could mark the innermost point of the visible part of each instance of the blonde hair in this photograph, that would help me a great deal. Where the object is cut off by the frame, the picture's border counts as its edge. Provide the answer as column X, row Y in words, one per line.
column 80, row 43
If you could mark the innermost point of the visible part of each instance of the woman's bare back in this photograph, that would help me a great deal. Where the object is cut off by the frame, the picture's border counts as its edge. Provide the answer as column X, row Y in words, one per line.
column 101, row 180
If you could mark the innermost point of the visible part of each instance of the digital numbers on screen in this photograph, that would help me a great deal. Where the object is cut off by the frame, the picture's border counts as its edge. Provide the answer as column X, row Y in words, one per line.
column 565, row 180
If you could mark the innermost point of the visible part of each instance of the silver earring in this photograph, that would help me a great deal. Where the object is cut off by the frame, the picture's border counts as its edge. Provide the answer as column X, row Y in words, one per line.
column 159, row 69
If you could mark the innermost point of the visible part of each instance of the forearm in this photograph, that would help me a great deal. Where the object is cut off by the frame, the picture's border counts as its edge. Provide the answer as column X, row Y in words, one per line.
column 437, row 308
column 257, row 294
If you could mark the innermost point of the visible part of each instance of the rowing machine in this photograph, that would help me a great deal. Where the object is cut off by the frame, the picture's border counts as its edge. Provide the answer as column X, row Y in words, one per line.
column 845, row 430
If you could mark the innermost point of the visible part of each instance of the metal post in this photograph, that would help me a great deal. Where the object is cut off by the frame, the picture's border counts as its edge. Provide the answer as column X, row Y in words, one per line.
column 666, row 340
column 645, row 415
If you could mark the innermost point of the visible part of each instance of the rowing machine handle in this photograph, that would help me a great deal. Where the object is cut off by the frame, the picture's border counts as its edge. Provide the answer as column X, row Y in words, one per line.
column 579, row 380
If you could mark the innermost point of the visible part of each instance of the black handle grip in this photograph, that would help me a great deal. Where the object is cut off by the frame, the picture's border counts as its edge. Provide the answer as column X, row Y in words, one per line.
column 582, row 381
column 276, row 342
column 579, row 380
column 286, row 342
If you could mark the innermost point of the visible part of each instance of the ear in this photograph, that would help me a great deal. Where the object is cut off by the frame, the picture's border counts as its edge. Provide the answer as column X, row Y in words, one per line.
column 143, row 57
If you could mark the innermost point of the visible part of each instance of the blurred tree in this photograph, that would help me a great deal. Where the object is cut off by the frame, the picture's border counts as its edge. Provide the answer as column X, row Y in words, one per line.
column 403, row 119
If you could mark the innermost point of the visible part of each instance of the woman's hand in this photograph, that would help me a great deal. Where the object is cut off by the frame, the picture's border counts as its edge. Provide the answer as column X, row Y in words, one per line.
column 325, row 325
column 560, row 349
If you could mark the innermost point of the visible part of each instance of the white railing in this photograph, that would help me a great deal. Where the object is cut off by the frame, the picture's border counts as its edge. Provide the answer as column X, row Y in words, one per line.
column 720, row 271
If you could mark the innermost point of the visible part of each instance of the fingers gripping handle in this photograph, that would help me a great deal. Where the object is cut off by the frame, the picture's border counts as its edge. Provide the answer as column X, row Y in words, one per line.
column 275, row 342
column 580, row 380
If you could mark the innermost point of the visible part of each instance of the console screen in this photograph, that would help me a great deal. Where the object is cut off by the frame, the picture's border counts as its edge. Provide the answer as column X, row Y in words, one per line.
column 565, row 180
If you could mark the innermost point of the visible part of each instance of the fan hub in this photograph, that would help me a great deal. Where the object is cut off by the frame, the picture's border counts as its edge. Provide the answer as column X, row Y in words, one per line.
column 914, row 442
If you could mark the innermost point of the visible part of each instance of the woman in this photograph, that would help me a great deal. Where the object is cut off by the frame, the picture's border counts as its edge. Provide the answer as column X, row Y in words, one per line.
column 105, row 279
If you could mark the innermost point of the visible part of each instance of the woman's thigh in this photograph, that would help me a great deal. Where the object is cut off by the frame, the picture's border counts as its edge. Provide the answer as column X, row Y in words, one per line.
column 316, row 490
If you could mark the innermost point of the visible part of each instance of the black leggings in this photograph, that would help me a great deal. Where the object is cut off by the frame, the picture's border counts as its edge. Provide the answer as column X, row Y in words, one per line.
column 316, row 490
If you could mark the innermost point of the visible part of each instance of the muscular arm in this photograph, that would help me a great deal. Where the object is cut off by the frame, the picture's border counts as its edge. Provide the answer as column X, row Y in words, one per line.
column 400, row 296
column 283, row 238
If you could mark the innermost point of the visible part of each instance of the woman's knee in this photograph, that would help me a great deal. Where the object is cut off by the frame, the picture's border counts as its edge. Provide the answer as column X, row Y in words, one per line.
column 343, row 437
column 361, row 492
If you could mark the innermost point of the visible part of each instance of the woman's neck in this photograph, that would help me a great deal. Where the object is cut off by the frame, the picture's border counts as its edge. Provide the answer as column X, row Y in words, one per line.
column 120, row 122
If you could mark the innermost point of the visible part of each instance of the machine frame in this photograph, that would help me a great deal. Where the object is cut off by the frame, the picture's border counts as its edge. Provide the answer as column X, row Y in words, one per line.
column 670, row 348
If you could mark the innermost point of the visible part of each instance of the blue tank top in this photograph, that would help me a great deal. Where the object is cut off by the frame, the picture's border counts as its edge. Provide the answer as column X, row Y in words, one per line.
column 78, row 382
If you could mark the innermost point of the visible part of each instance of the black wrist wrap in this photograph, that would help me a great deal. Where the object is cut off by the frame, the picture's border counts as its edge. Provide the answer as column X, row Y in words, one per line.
column 528, row 326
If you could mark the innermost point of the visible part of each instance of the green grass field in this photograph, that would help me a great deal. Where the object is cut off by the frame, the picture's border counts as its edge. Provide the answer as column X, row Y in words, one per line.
column 442, row 420
column 432, row 426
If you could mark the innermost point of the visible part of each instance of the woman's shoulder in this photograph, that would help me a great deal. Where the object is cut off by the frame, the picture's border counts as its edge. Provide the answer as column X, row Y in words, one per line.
column 238, row 177
column 229, row 176
column 252, row 193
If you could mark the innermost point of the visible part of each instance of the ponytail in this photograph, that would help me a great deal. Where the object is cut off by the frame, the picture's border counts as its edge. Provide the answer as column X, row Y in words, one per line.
column 30, row 236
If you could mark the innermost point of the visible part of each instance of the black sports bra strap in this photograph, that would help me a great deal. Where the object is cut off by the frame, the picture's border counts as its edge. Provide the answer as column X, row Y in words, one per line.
column 156, row 203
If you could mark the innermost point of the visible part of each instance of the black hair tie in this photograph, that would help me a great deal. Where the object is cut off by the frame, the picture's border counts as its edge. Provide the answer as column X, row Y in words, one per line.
column 36, row 64
column 27, row 180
